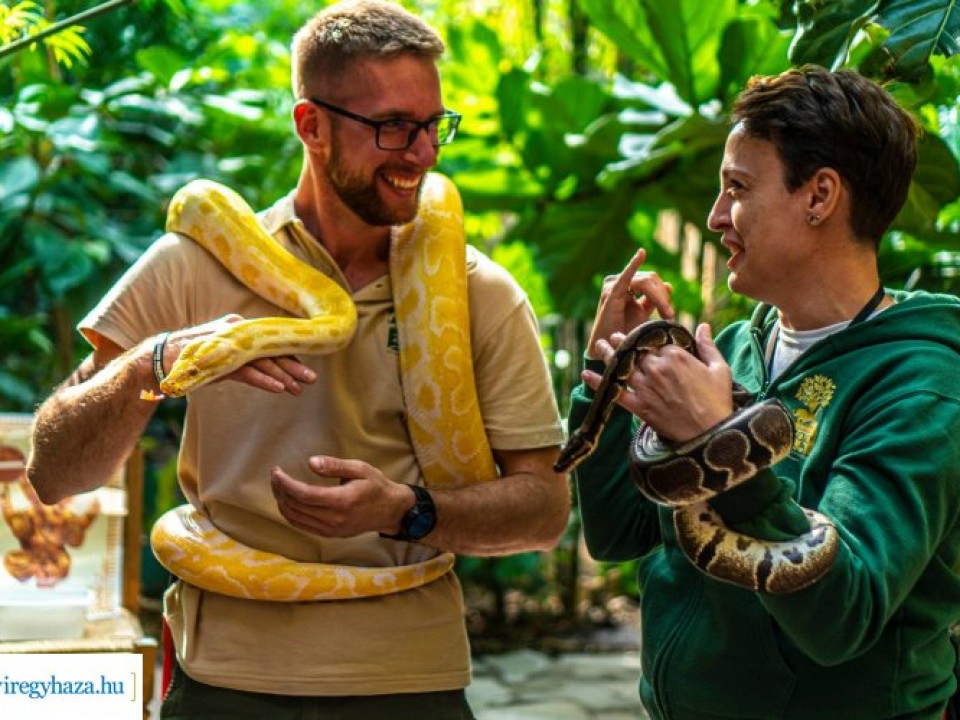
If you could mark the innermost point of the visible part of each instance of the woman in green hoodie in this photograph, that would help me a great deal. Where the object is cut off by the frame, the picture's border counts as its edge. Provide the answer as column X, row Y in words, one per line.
column 816, row 166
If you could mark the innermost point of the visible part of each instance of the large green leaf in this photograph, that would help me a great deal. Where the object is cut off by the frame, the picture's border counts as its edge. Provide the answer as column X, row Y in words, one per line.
column 646, row 157
column 936, row 183
column 918, row 29
column 937, row 169
column 572, row 103
column 547, row 125
column 825, row 30
column 563, row 113
column 625, row 23
column 688, row 34
column 576, row 241
column 676, row 40
column 511, row 94
column 474, row 64
column 750, row 46
column 161, row 61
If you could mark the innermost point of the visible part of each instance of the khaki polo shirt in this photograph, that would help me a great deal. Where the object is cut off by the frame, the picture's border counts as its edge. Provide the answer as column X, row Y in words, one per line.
column 412, row 641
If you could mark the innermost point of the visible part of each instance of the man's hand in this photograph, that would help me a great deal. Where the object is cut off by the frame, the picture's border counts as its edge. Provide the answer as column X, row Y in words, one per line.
column 273, row 374
column 365, row 500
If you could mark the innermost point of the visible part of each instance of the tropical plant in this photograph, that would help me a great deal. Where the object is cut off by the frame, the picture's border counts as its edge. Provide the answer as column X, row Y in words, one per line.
column 587, row 164
column 23, row 24
column 586, row 122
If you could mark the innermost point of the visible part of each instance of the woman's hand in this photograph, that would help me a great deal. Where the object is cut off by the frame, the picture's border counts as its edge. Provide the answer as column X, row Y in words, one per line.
column 627, row 300
column 672, row 391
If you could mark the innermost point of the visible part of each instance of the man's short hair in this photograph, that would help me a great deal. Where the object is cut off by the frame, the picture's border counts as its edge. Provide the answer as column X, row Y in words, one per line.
column 339, row 35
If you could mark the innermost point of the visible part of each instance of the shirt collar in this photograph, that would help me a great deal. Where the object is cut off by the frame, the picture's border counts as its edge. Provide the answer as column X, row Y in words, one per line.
column 281, row 213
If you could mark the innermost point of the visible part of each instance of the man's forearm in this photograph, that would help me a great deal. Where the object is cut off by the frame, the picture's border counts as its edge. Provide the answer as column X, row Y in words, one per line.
column 515, row 513
column 84, row 432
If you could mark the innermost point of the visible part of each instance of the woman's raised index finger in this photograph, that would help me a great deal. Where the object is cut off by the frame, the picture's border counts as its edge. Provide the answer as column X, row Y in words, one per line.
column 625, row 278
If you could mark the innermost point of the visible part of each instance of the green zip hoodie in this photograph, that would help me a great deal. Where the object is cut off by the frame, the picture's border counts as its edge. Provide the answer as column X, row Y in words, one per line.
column 876, row 449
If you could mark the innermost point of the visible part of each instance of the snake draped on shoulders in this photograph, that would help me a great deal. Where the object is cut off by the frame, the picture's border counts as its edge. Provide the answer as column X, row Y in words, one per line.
column 428, row 275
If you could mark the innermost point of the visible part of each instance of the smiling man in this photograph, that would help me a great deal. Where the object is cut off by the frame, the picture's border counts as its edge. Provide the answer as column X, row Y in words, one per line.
column 322, row 459
column 816, row 167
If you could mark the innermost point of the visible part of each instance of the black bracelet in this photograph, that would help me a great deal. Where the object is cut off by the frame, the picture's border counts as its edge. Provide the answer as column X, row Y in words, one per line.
column 158, row 349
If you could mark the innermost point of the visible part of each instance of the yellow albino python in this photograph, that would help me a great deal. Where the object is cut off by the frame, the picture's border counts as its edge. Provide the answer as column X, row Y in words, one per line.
column 428, row 275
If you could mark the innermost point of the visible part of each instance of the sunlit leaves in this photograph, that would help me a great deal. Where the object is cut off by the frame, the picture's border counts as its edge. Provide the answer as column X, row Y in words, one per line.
column 25, row 20
column 68, row 45
column 16, row 20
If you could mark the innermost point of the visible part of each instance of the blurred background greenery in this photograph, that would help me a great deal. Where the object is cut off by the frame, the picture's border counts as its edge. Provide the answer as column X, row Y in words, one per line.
column 590, row 127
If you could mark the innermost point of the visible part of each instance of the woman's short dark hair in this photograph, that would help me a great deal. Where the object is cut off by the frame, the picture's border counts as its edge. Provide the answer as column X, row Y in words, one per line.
column 817, row 118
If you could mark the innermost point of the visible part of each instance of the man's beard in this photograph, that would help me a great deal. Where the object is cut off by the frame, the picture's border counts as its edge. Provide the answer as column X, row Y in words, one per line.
column 363, row 197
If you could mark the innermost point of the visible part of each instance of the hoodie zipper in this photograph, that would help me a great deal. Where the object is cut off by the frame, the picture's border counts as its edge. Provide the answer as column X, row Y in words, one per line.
column 661, row 663
column 756, row 337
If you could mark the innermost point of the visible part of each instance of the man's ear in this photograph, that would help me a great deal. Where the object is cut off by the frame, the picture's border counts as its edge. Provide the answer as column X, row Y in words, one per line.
column 312, row 127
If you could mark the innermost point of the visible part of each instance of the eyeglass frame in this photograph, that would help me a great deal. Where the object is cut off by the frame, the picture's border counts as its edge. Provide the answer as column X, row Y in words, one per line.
column 424, row 125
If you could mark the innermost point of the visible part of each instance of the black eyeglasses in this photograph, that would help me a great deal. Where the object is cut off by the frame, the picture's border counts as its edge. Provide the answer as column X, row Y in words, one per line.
column 398, row 133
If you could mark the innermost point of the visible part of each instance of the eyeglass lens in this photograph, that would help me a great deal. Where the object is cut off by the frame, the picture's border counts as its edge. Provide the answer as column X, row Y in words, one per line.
column 401, row 134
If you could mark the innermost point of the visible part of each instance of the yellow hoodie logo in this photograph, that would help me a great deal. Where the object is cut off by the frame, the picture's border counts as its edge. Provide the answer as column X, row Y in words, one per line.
column 815, row 393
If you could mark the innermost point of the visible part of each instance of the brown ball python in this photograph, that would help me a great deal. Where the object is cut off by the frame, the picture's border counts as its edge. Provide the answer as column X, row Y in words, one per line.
column 686, row 476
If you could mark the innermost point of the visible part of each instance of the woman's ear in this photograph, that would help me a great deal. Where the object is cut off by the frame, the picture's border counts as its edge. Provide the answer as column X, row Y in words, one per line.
column 824, row 190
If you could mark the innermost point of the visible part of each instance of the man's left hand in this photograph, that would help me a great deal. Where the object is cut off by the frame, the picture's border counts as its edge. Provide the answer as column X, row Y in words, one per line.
column 364, row 500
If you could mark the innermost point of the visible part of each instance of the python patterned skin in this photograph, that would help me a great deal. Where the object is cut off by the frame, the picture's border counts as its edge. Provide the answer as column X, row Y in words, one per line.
column 189, row 545
column 215, row 216
column 686, row 476
column 428, row 273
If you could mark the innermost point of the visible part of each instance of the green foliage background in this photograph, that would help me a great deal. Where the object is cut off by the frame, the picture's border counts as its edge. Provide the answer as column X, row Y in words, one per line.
column 583, row 120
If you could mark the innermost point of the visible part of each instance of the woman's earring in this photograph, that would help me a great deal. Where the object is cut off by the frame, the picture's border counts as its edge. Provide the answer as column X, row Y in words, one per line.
column 813, row 219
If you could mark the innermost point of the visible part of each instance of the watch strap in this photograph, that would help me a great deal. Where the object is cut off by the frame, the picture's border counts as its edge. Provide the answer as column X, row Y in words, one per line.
column 419, row 520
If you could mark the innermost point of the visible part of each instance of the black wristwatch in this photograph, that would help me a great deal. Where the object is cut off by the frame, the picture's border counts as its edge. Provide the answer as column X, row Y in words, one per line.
column 418, row 521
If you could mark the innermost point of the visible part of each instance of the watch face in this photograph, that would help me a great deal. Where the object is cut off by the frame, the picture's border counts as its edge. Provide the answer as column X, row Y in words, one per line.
column 420, row 525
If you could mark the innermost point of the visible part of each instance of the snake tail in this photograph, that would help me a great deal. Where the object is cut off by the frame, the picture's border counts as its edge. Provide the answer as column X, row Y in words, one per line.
column 774, row 567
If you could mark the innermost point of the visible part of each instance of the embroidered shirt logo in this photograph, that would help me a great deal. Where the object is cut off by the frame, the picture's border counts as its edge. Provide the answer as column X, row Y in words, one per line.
column 815, row 393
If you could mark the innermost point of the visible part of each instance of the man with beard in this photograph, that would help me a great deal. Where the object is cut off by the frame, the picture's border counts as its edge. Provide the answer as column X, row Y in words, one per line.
column 311, row 457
